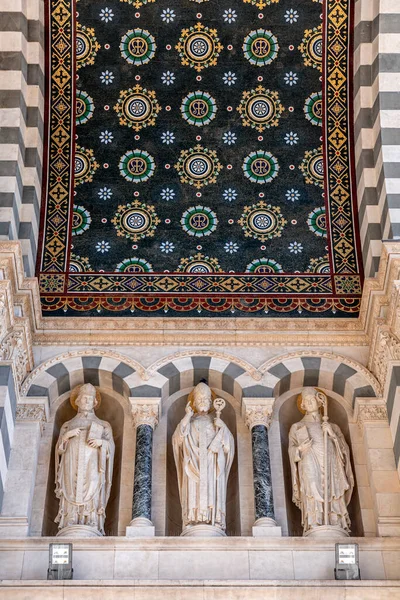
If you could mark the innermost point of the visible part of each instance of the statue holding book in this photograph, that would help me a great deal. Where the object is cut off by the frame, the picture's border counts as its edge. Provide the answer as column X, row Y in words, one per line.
column 322, row 477
column 84, row 467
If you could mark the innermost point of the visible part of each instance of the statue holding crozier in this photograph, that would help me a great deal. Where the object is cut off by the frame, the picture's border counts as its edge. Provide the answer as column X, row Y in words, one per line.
column 84, row 467
column 322, row 478
column 203, row 451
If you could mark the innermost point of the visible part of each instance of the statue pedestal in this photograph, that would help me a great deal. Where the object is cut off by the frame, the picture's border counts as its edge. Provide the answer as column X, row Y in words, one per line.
column 140, row 527
column 79, row 531
column 203, row 530
column 326, row 531
column 266, row 527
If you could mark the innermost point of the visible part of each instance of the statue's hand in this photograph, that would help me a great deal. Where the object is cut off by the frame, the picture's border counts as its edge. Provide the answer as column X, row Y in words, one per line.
column 189, row 410
column 95, row 443
column 328, row 428
column 218, row 423
column 305, row 446
column 71, row 434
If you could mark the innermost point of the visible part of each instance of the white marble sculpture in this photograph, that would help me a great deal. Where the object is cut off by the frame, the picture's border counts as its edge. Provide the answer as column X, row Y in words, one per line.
column 84, row 467
column 308, row 455
column 203, row 450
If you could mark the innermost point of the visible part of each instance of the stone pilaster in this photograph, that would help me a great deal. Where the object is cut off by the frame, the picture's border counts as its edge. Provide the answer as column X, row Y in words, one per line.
column 380, row 462
column 258, row 418
column 20, row 482
column 145, row 414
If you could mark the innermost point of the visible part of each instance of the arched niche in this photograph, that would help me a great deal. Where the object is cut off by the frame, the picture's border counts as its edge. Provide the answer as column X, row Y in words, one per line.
column 114, row 409
column 287, row 413
column 166, row 507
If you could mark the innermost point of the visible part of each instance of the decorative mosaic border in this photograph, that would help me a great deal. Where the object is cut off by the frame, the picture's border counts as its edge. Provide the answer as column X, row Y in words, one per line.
column 305, row 294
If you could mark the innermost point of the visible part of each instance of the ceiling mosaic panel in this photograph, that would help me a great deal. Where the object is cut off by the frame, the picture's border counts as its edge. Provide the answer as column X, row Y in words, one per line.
column 198, row 159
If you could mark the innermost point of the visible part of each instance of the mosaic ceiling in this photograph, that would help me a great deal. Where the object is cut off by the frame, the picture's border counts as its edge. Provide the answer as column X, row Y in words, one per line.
column 188, row 147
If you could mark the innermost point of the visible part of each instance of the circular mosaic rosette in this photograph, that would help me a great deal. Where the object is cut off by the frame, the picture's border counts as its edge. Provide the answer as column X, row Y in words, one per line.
column 136, row 166
column 199, row 263
column 260, row 47
column 317, row 221
column 134, row 265
column 313, row 109
column 262, row 221
column 137, row 47
column 198, row 166
column 198, row 108
column 199, row 47
column 199, row 221
column 138, row 3
column 261, row 4
column 137, row 107
column 135, row 221
column 260, row 109
column 260, row 167
column 312, row 167
column 319, row 265
column 79, row 264
column 87, row 46
column 85, row 165
column 264, row 266
column 81, row 220
column 84, row 107
column 311, row 48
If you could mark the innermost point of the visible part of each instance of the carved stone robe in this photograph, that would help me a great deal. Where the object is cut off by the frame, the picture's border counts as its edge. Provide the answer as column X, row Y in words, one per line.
column 203, row 457
column 84, row 474
column 308, row 474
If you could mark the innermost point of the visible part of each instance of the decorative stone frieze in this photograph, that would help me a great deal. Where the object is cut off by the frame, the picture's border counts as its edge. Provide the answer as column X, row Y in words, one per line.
column 371, row 413
column 31, row 412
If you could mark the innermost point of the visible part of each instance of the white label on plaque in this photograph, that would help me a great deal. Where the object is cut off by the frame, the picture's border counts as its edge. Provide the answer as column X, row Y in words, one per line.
column 347, row 555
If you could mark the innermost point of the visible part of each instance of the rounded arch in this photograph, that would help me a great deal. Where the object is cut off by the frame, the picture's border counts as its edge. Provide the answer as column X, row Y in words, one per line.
column 185, row 369
column 63, row 372
column 336, row 373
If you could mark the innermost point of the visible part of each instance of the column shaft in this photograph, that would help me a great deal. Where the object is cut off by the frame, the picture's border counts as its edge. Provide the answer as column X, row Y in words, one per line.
column 143, row 467
column 263, row 497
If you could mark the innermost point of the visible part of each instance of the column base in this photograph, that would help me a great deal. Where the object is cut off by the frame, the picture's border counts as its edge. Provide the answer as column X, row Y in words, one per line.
column 203, row 530
column 11, row 527
column 79, row 531
column 266, row 527
column 140, row 527
column 326, row 531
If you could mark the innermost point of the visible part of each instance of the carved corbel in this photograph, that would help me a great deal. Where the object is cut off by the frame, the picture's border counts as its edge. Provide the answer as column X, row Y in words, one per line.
column 370, row 412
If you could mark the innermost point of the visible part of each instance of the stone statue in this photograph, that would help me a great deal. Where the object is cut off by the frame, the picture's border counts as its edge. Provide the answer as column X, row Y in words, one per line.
column 84, row 468
column 203, row 449
column 308, row 453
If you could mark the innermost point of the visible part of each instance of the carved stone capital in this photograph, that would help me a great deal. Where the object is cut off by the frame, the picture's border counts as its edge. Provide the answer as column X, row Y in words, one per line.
column 258, row 412
column 31, row 412
column 371, row 413
column 145, row 411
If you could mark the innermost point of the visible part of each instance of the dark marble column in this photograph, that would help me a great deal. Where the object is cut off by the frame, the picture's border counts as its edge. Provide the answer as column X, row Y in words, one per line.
column 258, row 418
column 145, row 417
column 142, row 480
column 263, row 497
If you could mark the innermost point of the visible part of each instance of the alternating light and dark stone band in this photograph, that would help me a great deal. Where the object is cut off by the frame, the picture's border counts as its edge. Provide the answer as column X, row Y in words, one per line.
column 145, row 417
column 263, row 496
column 258, row 419
column 141, row 507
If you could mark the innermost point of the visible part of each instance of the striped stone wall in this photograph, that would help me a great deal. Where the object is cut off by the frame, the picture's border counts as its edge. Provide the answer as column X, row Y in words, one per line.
column 377, row 124
column 21, row 122
column 8, row 405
